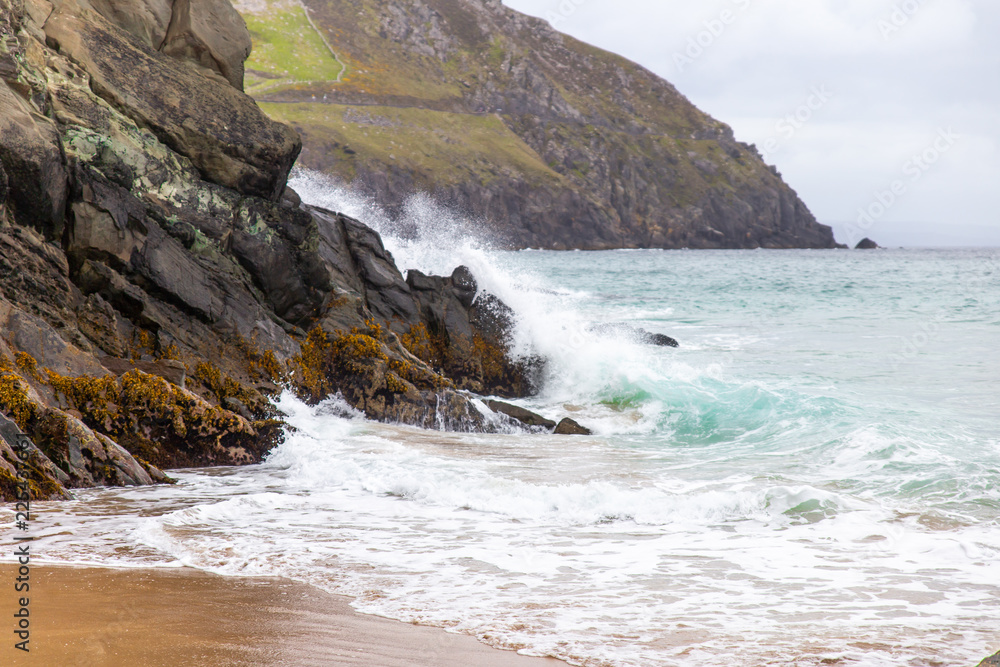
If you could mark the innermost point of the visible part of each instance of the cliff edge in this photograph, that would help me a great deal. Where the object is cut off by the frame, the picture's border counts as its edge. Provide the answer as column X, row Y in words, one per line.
column 552, row 142
column 159, row 283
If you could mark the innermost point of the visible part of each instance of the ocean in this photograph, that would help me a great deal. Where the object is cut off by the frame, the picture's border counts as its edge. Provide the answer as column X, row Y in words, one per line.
column 811, row 478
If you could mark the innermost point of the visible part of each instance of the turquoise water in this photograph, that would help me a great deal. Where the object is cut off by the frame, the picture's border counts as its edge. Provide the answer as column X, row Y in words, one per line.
column 810, row 479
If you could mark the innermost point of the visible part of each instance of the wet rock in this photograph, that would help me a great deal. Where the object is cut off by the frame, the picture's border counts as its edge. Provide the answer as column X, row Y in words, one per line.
column 569, row 427
column 866, row 244
column 661, row 340
column 64, row 453
column 222, row 131
column 526, row 417
column 465, row 286
column 637, row 334
column 47, row 482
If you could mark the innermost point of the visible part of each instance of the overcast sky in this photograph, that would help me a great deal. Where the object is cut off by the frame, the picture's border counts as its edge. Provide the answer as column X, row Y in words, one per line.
column 884, row 115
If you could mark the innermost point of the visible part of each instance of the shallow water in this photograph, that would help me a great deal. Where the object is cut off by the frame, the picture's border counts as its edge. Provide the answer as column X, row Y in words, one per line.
column 811, row 478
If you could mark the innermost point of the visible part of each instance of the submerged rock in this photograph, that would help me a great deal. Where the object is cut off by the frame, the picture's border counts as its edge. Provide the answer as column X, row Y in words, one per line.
column 526, row 417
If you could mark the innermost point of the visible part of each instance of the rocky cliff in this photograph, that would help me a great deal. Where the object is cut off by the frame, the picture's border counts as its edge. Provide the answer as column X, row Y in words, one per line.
column 158, row 280
column 552, row 142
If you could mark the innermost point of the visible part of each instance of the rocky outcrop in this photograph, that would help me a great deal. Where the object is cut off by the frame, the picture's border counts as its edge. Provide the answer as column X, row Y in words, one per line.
column 159, row 284
column 210, row 33
column 866, row 244
column 551, row 142
column 535, row 421
column 29, row 152
column 224, row 134
column 992, row 661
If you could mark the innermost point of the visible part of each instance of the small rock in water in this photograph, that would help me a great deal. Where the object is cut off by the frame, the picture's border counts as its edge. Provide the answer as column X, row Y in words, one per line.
column 866, row 244
column 636, row 333
column 661, row 339
column 569, row 427
column 526, row 417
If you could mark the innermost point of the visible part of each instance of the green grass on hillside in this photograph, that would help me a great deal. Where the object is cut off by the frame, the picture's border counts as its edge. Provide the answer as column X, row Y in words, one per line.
column 286, row 50
column 439, row 146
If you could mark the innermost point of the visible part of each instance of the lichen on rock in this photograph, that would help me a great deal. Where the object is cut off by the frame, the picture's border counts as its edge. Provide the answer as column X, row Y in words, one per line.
column 159, row 286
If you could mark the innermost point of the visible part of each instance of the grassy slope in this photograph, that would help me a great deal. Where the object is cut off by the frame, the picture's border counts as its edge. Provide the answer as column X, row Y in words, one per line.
column 423, row 100
column 450, row 146
column 438, row 147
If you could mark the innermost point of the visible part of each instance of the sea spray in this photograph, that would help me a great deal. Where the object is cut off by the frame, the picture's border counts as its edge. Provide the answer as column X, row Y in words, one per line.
column 582, row 363
column 768, row 493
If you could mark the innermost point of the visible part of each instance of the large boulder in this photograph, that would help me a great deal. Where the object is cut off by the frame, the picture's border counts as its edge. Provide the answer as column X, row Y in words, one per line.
column 222, row 131
column 210, row 33
column 148, row 20
column 32, row 160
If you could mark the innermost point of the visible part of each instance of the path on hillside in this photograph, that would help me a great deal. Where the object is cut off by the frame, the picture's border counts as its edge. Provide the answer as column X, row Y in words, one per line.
column 266, row 87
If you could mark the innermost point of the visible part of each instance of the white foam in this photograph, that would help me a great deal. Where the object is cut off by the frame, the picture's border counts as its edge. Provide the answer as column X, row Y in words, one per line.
column 493, row 535
column 549, row 323
column 723, row 515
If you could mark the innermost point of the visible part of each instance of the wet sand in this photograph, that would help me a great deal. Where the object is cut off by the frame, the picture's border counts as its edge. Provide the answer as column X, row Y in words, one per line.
column 138, row 618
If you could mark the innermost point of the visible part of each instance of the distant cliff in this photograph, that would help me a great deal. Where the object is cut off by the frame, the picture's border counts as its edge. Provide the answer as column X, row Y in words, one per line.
column 554, row 143
column 158, row 280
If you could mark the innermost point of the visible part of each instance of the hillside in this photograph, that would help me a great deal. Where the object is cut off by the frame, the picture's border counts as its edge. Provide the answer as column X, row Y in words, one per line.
column 552, row 142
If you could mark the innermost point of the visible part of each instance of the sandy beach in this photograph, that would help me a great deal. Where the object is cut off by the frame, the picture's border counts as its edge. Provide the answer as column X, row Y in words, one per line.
column 141, row 617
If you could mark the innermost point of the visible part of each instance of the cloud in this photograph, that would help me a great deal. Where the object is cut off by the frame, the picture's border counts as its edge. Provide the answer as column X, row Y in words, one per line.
column 900, row 71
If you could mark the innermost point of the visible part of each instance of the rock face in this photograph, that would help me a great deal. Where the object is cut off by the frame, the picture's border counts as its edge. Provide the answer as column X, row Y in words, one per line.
column 29, row 153
column 866, row 244
column 220, row 130
column 554, row 143
column 992, row 661
column 210, row 33
column 158, row 283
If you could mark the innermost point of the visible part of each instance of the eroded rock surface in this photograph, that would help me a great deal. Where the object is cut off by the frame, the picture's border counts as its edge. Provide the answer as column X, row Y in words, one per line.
column 223, row 132
column 158, row 284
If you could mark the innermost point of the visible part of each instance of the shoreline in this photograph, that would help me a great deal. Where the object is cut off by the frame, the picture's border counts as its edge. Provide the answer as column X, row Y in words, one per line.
column 183, row 616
